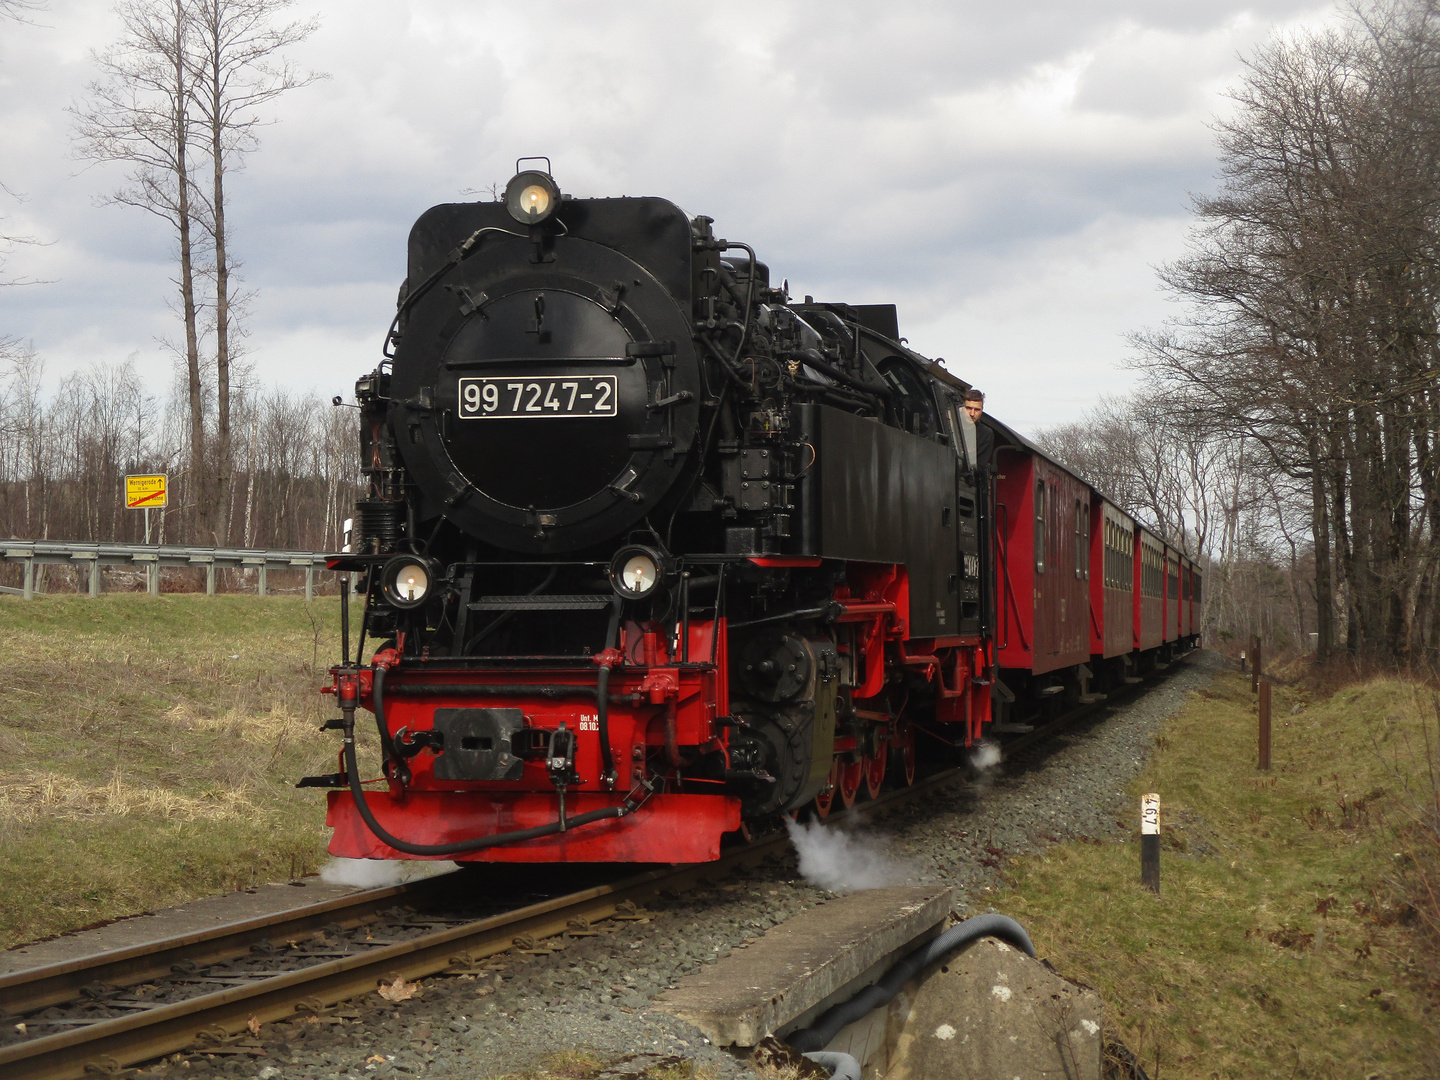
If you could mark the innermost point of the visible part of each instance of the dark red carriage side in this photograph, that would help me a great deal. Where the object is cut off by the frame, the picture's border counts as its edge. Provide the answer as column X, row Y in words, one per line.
column 1042, row 541
column 1112, row 608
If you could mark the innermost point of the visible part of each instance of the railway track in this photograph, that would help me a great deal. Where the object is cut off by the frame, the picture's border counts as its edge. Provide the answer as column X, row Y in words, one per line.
column 148, row 1030
column 108, row 1045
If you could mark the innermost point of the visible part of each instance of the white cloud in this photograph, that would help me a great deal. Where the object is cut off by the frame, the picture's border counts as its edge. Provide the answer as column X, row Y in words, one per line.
column 1006, row 176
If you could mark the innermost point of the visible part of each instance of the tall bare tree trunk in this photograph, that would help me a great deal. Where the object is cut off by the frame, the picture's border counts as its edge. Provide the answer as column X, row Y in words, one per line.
column 223, row 469
column 181, row 119
column 1320, row 526
column 140, row 112
column 235, row 65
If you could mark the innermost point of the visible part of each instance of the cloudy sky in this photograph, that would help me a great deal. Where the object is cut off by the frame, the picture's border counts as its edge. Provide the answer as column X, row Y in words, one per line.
column 1008, row 176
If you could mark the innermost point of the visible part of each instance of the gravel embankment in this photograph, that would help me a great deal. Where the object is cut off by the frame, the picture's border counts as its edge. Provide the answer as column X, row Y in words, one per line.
column 595, row 995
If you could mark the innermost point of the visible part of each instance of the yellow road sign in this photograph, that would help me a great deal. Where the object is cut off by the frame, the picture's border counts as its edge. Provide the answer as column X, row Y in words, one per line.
column 146, row 492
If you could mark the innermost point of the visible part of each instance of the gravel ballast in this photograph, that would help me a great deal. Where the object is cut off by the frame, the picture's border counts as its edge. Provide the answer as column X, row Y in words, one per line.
column 595, row 994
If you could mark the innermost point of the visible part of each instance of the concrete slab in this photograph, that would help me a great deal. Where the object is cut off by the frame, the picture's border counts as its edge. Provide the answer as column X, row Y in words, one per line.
column 201, row 914
column 795, row 969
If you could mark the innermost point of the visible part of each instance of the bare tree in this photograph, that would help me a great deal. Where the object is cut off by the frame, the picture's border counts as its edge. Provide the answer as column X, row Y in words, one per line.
column 64, row 456
column 236, row 65
column 1312, row 287
column 20, row 10
column 181, row 90
column 141, row 112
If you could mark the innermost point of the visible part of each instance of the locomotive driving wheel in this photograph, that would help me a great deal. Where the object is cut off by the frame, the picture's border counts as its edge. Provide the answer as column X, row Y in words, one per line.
column 902, row 762
column 875, row 770
column 852, row 773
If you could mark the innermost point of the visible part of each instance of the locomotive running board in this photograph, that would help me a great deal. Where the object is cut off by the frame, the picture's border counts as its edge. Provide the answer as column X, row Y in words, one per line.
column 573, row 602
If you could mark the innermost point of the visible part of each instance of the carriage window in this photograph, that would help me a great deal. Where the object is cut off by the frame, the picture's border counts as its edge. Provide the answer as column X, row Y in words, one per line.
column 1039, row 526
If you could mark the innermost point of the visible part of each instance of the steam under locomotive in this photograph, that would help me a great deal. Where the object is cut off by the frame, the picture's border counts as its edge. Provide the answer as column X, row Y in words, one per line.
column 651, row 551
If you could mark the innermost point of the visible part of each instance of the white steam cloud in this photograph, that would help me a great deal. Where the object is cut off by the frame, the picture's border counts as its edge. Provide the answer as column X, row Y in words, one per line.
column 985, row 756
column 841, row 861
column 378, row 873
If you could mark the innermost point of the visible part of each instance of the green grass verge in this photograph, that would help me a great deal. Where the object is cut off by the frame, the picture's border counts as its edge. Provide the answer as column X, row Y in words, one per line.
column 1281, row 943
column 148, row 748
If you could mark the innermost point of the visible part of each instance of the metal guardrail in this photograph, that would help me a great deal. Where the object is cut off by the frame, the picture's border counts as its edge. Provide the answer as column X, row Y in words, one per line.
column 152, row 557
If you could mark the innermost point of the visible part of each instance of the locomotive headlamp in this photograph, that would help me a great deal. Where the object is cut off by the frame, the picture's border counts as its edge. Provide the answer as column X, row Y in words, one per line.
column 634, row 572
column 406, row 581
column 531, row 197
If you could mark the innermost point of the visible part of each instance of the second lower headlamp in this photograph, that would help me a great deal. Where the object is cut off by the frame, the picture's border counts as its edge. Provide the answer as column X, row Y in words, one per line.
column 407, row 582
column 635, row 572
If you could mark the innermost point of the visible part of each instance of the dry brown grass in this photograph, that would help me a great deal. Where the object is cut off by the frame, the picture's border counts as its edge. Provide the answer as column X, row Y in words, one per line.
column 55, row 798
column 148, row 750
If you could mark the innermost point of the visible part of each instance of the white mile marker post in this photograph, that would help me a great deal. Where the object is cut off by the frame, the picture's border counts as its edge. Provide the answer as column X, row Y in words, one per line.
column 1150, row 841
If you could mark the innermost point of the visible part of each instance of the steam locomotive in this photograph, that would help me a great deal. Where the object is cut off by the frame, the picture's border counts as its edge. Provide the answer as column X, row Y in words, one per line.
column 650, row 552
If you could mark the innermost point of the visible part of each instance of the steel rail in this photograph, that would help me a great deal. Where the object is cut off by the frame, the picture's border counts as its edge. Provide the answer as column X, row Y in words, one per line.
column 109, row 1045
column 31, row 989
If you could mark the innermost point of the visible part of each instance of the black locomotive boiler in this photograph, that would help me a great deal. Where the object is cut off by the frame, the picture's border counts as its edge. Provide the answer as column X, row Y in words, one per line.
column 649, row 550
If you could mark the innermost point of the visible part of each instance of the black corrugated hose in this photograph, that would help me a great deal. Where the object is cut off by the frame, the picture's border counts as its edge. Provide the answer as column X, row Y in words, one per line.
column 808, row 1040
column 352, row 773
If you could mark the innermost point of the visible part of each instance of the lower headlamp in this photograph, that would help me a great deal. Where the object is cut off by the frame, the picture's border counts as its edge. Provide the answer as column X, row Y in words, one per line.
column 635, row 572
column 407, row 582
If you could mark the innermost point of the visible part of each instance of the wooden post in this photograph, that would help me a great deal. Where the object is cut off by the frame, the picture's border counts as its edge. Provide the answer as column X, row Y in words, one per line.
column 210, row 579
column 95, row 578
column 1255, row 663
column 28, row 589
column 264, row 587
column 1265, row 726
column 310, row 583
column 1150, row 841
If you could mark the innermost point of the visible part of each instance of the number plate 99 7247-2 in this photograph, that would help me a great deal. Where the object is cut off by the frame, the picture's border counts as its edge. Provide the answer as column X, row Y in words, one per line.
column 539, row 396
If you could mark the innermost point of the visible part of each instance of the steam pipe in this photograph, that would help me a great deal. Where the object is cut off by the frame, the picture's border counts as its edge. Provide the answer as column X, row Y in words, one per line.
column 672, row 740
column 811, row 358
column 602, row 698
column 872, row 997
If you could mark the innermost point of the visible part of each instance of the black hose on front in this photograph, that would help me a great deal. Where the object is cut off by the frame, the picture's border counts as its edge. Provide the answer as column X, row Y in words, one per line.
column 459, row 847
column 872, row 997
